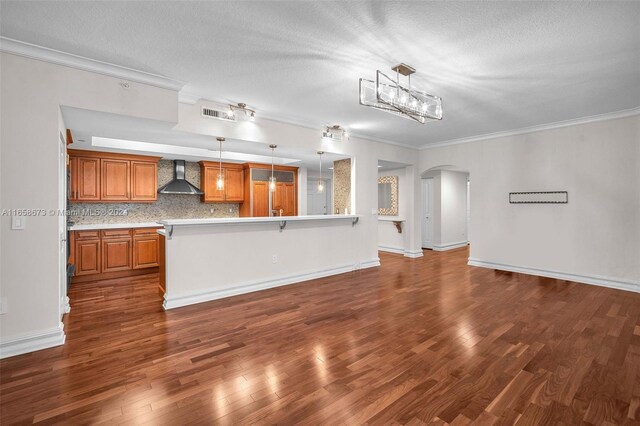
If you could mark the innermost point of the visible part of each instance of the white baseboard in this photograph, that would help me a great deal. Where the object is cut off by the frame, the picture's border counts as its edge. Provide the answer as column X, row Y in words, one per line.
column 390, row 249
column 31, row 342
column 413, row 254
column 400, row 250
column 450, row 246
column 371, row 263
column 585, row 279
column 177, row 301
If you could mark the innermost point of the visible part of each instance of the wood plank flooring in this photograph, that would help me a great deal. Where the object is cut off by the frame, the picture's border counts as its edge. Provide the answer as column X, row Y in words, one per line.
column 415, row 341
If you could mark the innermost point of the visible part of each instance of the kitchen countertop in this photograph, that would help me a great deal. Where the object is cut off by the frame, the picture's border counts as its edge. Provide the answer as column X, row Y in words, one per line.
column 92, row 226
column 235, row 220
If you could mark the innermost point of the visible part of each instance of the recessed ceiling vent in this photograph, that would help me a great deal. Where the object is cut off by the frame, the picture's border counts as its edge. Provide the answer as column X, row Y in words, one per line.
column 214, row 113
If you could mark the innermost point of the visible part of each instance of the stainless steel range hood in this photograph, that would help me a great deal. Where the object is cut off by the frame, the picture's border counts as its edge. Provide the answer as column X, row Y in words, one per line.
column 179, row 185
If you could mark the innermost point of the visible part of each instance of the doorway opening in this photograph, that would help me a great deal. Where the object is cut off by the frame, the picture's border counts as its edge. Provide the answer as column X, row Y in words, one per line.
column 446, row 208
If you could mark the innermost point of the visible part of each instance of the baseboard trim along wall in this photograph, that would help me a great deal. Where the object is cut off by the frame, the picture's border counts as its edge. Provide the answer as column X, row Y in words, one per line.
column 178, row 301
column 390, row 249
column 399, row 250
column 413, row 254
column 450, row 246
column 584, row 279
column 32, row 342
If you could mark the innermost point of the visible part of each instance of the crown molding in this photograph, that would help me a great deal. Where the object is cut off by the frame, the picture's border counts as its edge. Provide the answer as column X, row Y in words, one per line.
column 556, row 125
column 32, row 51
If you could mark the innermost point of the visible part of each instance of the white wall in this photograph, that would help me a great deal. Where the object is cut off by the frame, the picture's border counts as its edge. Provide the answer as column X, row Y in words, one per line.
column 453, row 210
column 31, row 93
column 595, row 238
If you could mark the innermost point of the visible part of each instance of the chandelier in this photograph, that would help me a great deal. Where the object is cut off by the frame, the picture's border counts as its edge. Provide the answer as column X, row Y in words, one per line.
column 336, row 132
column 392, row 96
column 241, row 112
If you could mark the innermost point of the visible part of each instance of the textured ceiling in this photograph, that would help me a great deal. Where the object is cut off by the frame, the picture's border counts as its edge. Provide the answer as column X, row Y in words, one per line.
column 498, row 66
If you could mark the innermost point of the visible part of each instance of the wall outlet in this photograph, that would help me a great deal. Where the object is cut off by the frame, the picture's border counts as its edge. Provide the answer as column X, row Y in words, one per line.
column 18, row 222
column 274, row 258
column 212, row 211
column 4, row 307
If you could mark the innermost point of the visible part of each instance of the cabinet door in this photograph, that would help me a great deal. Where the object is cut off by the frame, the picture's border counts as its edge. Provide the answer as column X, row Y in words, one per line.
column 277, row 203
column 146, row 251
column 144, row 181
column 260, row 199
column 87, row 257
column 115, row 180
column 288, row 199
column 73, row 178
column 208, row 182
column 234, row 185
column 88, row 179
column 116, row 255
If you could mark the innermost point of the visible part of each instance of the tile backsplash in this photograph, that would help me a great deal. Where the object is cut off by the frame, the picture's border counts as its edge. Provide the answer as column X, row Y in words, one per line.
column 168, row 206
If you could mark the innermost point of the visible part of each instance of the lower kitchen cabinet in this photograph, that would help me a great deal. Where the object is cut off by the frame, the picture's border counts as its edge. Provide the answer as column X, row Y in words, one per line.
column 146, row 251
column 116, row 254
column 97, row 252
column 87, row 256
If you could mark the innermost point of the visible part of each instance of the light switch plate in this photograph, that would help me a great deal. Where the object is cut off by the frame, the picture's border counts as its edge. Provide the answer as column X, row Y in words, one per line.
column 18, row 222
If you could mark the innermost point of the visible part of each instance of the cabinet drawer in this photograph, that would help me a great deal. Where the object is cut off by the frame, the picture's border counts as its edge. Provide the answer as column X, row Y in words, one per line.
column 144, row 231
column 116, row 233
column 87, row 235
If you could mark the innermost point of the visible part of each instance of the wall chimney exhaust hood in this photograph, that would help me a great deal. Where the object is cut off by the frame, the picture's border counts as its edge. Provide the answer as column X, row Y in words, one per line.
column 179, row 185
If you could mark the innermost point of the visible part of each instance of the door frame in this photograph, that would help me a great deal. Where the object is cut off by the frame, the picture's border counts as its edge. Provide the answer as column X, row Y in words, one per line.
column 424, row 183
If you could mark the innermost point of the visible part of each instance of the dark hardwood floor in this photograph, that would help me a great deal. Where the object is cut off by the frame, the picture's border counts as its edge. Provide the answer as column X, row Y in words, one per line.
column 414, row 341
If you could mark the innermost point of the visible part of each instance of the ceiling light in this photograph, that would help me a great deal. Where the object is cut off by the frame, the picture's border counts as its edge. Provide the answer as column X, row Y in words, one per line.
column 320, row 187
column 220, row 179
column 392, row 96
column 241, row 112
column 336, row 132
column 272, row 179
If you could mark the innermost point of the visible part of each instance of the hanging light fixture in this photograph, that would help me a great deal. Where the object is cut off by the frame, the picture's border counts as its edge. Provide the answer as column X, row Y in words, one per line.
column 320, row 187
column 335, row 132
column 272, row 179
column 388, row 95
column 220, row 179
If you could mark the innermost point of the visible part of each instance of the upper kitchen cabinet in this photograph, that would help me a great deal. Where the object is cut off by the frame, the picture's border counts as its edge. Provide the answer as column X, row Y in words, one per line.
column 233, row 191
column 144, row 181
column 85, row 178
column 110, row 177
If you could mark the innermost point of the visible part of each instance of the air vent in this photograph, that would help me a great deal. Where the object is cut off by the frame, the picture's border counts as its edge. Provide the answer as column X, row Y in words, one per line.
column 214, row 113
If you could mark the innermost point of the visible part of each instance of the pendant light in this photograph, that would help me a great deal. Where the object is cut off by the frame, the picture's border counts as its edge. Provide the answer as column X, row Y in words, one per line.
column 320, row 187
column 272, row 179
column 220, row 179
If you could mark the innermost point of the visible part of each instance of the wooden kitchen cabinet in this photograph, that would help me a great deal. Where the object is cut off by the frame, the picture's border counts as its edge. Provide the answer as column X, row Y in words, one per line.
column 260, row 199
column 115, row 180
column 146, row 251
column 112, row 178
column 87, row 256
column 87, row 179
column 284, row 199
column 116, row 254
column 234, row 184
column 257, row 195
column 144, row 181
column 233, row 191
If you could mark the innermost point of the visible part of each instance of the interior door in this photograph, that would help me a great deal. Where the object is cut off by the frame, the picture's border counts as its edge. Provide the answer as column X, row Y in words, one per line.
column 427, row 213
column 316, row 203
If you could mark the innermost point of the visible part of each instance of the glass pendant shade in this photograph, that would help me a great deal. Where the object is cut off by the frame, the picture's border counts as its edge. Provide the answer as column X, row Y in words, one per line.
column 320, row 187
column 220, row 182
column 392, row 96
column 272, row 183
